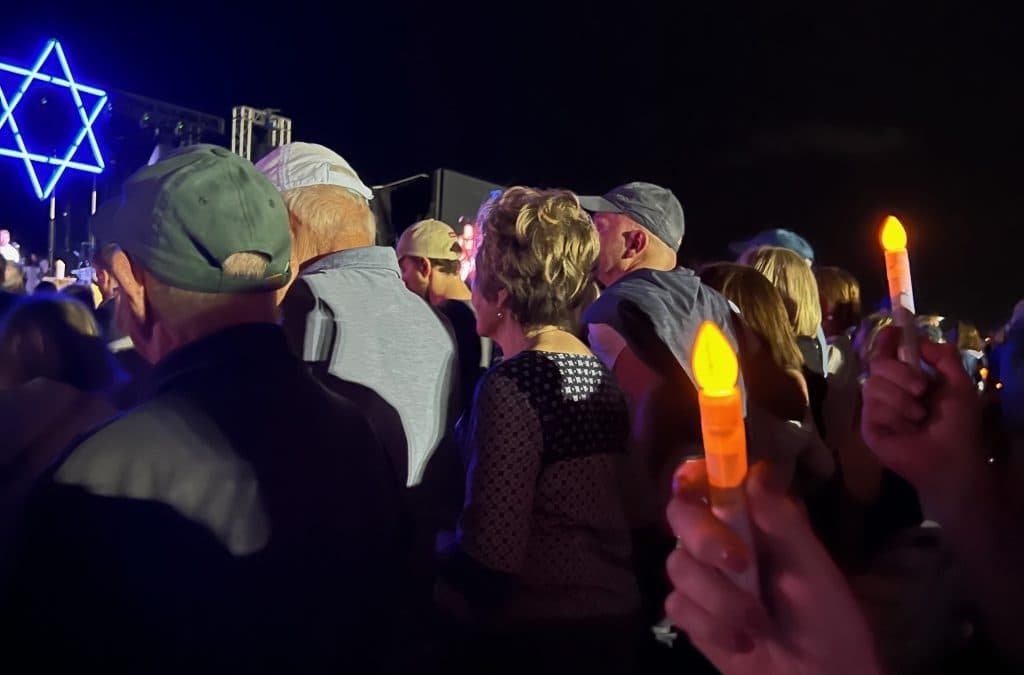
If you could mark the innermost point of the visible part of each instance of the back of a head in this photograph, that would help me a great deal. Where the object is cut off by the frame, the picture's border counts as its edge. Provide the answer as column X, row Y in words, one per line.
column 207, row 263
column 968, row 337
column 12, row 280
column 81, row 293
column 795, row 282
column 329, row 218
column 54, row 337
column 540, row 246
column 838, row 287
column 328, row 202
column 761, row 307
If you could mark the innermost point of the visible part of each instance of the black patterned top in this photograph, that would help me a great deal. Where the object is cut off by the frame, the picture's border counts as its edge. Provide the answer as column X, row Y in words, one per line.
column 543, row 496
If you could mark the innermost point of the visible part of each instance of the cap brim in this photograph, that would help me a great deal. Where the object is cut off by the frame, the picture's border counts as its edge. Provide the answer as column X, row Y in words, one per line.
column 599, row 205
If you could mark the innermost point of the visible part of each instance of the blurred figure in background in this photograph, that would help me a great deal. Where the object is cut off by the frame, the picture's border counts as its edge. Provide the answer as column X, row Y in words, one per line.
column 56, row 381
column 106, row 311
column 777, row 237
column 764, row 313
column 793, row 278
column 12, row 279
column 968, row 340
column 430, row 256
column 840, row 301
column 791, row 241
column 540, row 569
column 8, row 250
column 7, row 297
column 772, row 369
column 83, row 293
column 119, row 343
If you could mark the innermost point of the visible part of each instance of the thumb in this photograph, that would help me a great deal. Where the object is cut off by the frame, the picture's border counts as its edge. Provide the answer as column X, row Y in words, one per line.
column 783, row 531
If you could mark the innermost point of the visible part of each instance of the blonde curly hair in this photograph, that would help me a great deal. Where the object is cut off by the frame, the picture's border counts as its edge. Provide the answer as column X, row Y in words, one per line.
column 539, row 246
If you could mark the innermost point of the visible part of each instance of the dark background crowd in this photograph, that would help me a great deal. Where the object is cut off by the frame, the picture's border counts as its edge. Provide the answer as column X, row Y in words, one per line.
column 249, row 431
column 250, row 438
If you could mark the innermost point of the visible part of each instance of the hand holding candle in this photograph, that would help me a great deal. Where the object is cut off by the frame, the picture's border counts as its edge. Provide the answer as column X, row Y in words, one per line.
column 901, row 290
column 725, row 442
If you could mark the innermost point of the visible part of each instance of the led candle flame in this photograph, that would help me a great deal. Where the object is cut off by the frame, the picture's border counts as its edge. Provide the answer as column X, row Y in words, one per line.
column 901, row 289
column 717, row 373
column 721, row 409
column 894, row 235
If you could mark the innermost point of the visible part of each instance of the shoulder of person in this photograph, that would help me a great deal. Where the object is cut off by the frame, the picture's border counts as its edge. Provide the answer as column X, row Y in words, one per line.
column 169, row 451
column 457, row 311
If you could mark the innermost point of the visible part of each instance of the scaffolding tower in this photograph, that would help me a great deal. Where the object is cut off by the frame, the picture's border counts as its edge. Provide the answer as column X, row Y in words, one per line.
column 244, row 118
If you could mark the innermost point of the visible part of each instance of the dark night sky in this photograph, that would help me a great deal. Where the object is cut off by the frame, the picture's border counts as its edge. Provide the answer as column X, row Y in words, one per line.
column 756, row 115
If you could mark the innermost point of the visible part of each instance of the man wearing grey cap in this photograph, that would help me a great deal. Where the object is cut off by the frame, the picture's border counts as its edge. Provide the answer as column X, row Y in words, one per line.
column 643, row 327
column 640, row 227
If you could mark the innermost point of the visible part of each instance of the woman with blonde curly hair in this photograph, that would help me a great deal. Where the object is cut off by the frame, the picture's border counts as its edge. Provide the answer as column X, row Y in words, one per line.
column 541, row 564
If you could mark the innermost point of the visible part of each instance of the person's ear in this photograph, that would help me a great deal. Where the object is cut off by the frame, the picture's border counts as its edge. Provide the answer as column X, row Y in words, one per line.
column 133, row 291
column 423, row 267
column 636, row 243
column 501, row 300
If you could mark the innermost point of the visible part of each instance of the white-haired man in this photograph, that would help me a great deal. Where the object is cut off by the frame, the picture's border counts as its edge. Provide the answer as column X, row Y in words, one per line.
column 349, row 309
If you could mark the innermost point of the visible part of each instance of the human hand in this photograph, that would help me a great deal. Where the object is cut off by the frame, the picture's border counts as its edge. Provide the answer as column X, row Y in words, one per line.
column 926, row 429
column 809, row 622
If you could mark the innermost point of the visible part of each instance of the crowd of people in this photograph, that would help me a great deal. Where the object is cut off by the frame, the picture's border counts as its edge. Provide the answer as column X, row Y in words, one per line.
column 255, row 440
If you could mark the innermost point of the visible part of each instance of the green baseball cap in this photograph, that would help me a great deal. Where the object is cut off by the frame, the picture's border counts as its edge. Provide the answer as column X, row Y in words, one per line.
column 183, row 216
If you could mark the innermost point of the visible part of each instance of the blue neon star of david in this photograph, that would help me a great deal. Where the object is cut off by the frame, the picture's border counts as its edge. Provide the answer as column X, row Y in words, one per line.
column 20, row 151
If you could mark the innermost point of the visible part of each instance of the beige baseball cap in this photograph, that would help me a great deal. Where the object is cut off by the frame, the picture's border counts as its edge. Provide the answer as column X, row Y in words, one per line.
column 430, row 239
column 297, row 165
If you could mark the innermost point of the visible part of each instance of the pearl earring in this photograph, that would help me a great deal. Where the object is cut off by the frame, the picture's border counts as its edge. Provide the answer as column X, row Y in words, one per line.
column 500, row 315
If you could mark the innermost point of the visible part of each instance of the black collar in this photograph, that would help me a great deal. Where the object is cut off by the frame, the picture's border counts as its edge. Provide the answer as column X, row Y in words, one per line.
column 248, row 344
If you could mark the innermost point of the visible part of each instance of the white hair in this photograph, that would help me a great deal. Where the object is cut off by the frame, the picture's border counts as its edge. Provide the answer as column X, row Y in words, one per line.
column 329, row 211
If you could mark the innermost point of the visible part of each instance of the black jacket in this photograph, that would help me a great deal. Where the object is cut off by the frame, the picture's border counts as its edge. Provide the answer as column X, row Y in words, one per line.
column 242, row 519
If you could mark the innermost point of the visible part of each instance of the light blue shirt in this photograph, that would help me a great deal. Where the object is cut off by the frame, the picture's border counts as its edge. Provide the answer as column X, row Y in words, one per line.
column 373, row 331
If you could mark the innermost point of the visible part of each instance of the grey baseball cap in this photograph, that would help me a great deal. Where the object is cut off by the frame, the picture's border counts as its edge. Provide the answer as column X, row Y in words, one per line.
column 650, row 205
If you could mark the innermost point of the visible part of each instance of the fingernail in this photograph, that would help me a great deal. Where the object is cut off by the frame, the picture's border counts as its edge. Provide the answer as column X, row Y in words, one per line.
column 742, row 643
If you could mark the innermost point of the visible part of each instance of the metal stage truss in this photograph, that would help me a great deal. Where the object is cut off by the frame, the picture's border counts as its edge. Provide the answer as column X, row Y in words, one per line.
column 244, row 118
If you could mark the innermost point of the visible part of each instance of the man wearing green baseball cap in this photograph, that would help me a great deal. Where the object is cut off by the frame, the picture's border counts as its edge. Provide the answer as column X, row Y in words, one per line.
column 242, row 518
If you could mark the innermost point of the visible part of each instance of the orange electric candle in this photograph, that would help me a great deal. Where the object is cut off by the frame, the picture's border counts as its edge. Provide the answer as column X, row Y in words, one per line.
column 717, row 373
column 901, row 289
column 721, row 409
